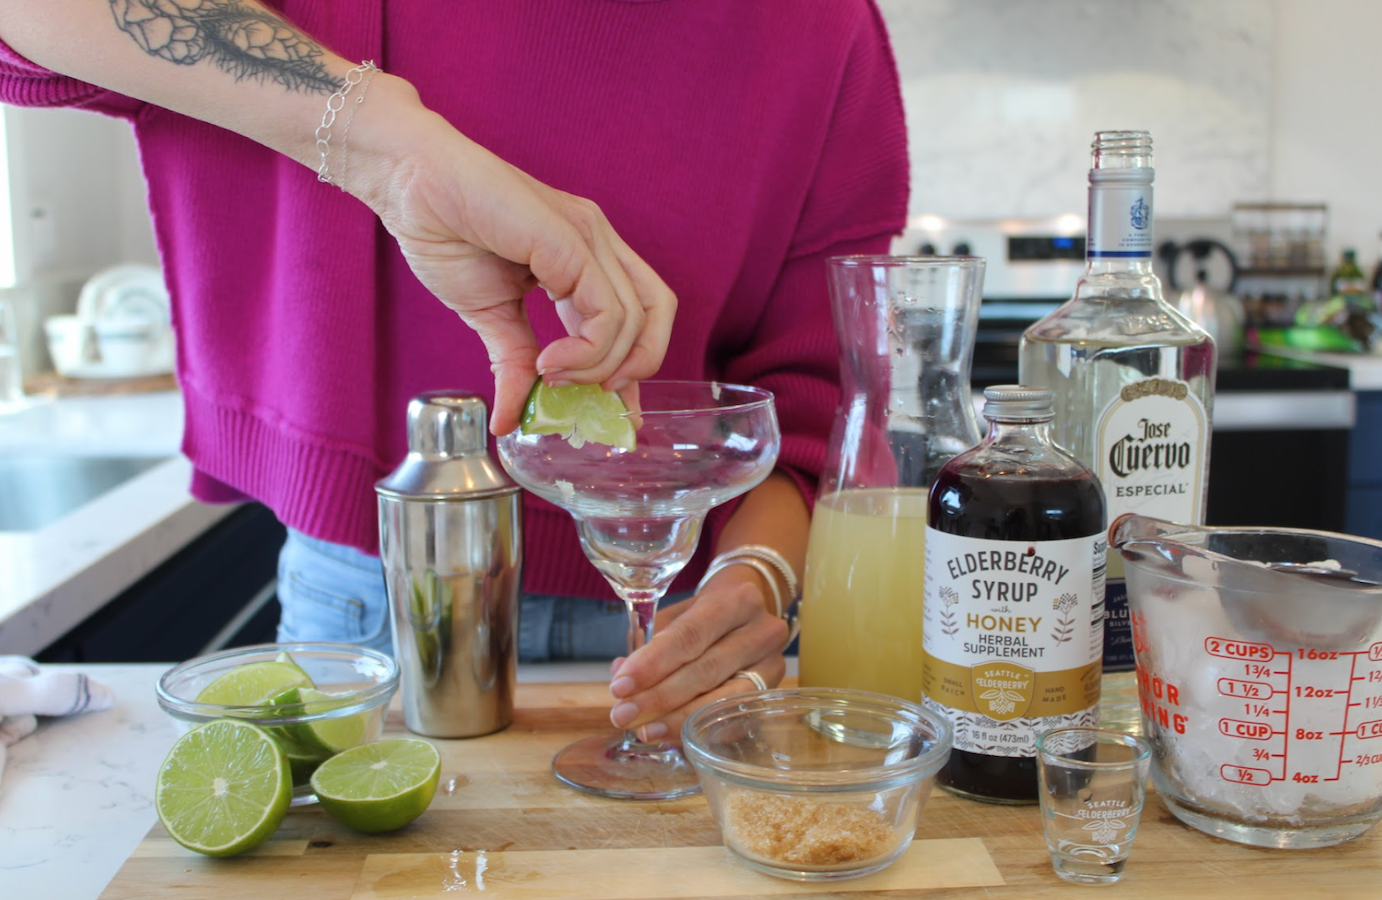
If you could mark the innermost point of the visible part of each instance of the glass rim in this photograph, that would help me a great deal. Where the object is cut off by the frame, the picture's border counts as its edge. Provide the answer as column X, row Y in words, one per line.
column 884, row 260
column 801, row 700
column 175, row 704
column 1198, row 537
column 1141, row 747
column 759, row 397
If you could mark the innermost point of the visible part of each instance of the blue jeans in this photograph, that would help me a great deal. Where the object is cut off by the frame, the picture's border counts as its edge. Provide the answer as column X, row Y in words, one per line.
column 330, row 592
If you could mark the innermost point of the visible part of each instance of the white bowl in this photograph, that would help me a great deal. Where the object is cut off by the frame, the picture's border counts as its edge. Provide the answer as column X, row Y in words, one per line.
column 133, row 345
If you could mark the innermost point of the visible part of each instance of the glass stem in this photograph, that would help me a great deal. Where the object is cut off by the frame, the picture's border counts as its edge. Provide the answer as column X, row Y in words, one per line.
column 642, row 607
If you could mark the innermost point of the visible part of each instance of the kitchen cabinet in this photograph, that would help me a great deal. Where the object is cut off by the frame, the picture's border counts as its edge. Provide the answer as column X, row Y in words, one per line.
column 1281, row 441
column 216, row 591
column 1363, row 513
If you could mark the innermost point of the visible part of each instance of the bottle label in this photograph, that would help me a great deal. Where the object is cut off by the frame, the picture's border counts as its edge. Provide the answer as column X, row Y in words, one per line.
column 1120, row 222
column 1012, row 633
column 1119, row 655
column 1151, row 443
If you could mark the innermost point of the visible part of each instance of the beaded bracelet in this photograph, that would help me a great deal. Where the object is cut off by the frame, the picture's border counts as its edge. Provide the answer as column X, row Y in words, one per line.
column 334, row 104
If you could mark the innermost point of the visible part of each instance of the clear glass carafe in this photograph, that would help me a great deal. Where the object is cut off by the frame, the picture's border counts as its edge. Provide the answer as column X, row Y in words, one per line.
column 906, row 329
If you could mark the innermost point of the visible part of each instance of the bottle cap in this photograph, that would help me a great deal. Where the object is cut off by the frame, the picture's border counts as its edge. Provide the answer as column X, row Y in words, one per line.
column 448, row 456
column 1017, row 403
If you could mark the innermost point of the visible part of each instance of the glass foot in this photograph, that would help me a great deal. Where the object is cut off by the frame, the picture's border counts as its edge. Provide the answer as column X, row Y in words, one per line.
column 622, row 768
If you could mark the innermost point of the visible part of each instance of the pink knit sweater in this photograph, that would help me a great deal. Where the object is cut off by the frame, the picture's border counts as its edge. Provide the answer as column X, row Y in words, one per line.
column 735, row 145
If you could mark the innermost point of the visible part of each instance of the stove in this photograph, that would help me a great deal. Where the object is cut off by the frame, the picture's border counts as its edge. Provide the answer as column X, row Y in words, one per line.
column 1031, row 266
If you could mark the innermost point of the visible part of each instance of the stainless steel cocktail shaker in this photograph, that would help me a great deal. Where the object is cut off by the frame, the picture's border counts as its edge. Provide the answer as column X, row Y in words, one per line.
column 450, row 539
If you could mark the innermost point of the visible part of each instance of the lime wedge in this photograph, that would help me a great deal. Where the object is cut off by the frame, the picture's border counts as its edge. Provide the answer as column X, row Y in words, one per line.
column 303, row 752
column 580, row 413
column 325, row 736
column 287, row 659
column 223, row 788
column 379, row 786
column 253, row 684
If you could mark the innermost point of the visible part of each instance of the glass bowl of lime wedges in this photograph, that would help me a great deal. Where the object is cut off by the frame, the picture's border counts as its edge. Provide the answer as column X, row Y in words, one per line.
column 314, row 699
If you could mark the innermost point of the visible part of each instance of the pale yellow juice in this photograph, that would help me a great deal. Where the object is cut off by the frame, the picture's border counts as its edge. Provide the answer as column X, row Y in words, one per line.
column 862, row 598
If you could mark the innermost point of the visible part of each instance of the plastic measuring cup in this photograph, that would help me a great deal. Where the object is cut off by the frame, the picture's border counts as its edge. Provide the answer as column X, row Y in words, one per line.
column 1259, row 663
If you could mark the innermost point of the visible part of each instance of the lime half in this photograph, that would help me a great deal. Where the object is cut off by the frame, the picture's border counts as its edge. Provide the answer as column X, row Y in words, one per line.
column 580, row 413
column 223, row 788
column 379, row 786
column 254, row 683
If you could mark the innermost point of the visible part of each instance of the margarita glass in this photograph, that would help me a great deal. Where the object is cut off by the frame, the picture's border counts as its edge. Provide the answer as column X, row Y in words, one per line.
column 639, row 514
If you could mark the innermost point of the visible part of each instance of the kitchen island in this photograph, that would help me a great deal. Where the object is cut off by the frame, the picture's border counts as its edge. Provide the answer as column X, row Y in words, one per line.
column 76, row 812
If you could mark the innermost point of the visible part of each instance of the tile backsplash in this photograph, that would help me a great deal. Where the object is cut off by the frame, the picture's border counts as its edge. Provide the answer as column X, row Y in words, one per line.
column 1003, row 98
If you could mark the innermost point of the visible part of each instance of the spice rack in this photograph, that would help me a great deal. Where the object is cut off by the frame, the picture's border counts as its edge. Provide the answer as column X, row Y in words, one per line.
column 1280, row 251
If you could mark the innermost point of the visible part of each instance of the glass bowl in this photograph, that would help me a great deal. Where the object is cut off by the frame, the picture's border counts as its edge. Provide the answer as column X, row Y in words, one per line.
column 358, row 684
column 816, row 784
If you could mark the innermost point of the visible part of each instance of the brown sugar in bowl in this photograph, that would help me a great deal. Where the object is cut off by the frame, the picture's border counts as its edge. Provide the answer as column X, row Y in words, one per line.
column 816, row 784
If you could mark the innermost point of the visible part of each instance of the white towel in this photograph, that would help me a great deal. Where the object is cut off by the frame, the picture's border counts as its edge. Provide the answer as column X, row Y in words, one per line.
column 27, row 692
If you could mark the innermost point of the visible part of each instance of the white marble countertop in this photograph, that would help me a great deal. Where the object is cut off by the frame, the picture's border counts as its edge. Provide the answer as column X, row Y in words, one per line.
column 58, row 575
column 76, row 796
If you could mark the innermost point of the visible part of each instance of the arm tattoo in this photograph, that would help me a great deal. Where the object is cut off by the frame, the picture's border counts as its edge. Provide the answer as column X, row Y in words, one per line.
column 246, row 41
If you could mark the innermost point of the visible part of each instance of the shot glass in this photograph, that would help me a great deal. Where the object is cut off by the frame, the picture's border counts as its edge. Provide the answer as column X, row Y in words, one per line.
column 1092, row 784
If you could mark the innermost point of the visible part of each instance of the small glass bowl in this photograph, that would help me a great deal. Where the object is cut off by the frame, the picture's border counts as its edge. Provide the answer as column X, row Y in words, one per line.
column 361, row 681
column 816, row 784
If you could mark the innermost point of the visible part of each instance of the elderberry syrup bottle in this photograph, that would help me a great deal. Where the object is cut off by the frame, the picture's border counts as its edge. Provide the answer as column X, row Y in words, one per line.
column 1014, row 609
column 1133, row 380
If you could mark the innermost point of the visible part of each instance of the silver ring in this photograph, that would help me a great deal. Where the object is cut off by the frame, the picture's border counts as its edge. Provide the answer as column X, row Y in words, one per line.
column 753, row 676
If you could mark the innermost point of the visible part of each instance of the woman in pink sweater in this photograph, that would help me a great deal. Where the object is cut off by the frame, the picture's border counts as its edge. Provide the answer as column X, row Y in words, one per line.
column 564, row 175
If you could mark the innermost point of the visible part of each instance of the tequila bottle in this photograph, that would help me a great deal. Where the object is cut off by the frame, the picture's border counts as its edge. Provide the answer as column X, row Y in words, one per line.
column 1133, row 379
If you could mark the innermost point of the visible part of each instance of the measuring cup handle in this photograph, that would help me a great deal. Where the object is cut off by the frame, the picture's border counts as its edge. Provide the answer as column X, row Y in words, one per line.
column 1133, row 527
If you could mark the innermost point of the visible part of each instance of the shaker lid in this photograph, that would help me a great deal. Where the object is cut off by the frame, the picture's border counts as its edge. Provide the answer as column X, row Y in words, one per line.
column 448, row 457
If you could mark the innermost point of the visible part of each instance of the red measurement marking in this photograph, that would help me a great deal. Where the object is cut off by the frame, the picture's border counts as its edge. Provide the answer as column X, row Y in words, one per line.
column 1251, row 690
column 1250, row 650
column 1371, row 729
column 1375, row 652
column 1253, row 731
column 1245, row 775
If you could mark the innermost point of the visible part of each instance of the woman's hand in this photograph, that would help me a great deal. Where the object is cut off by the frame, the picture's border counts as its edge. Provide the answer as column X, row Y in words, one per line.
column 696, row 649
column 480, row 234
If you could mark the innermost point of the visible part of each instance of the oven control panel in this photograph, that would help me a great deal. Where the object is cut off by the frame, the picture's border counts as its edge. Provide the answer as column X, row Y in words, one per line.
column 1025, row 259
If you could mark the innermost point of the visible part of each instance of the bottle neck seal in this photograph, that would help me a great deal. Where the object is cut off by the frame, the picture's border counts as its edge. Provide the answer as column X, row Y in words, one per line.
column 1120, row 215
column 1120, row 197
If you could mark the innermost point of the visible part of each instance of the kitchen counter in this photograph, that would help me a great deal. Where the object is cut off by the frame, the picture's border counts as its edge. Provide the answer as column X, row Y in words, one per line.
column 59, row 574
column 1260, row 391
column 76, row 813
column 76, row 797
column 1365, row 369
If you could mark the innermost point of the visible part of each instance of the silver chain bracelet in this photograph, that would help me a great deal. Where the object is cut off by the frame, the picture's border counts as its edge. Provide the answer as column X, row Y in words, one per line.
column 334, row 104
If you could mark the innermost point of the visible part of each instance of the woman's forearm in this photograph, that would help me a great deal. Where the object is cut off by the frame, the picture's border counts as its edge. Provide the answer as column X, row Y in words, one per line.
column 478, row 233
column 775, row 515
column 234, row 63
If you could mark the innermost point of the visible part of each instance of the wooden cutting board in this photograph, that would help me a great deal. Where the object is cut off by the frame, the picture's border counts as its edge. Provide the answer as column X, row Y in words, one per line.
column 501, row 825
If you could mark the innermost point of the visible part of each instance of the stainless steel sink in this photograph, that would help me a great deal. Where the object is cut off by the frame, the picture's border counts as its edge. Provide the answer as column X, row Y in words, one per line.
column 38, row 490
